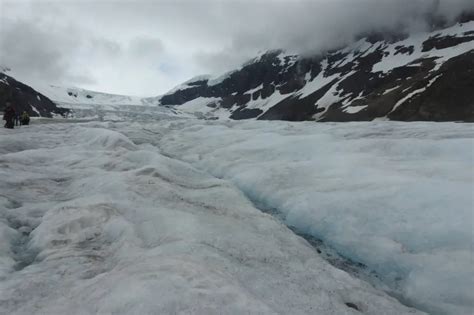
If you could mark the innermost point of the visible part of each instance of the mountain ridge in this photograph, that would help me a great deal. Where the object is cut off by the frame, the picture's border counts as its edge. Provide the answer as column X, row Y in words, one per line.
column 26, row 98
column 393, row 76
column 425, row 76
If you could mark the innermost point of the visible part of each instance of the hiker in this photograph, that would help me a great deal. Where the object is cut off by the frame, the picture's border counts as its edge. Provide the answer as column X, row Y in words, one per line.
column 17, row 120
column 25, row 119
column 9, row 116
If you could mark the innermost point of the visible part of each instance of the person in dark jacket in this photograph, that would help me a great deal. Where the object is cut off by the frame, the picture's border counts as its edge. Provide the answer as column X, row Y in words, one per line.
column 9, row 116
column 25, row 119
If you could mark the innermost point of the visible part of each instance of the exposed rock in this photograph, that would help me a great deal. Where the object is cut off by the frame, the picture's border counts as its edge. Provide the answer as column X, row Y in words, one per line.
column 25, row 98
column 384, row 75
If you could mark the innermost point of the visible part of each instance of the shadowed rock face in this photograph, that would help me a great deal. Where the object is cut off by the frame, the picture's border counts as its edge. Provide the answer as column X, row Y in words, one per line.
column 25, row 98
column 426, row 76
column 449, row 98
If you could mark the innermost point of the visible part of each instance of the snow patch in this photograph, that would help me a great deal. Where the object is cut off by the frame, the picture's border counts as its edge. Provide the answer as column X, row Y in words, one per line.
column 354, row 109
column 390, row 90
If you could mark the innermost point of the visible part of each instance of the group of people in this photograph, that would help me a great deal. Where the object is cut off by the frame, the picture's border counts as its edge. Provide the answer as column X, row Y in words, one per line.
column 12, row 118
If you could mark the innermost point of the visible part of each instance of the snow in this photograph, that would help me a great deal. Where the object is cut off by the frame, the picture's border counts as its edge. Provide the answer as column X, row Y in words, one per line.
column 219, row 79
column 152, row 212
column 287, row 59
column 268, row 102
column 255, row 89
column 390, row 90
column 4, row 81
column 71, row 97
column 35, row 110
column 410, row 95
column 198, row 107
column 433, row 80
column 371, row 49
column 281, row 58
column 77, row 96
column 198, row 78
column 360, row 48
column 458, row 29
column 317, row 83
column 331, row 96
column 406, row 98
column 449, row 53
column 354, row 109
column 394, row 196
column 95, row 219
column 123, row 112
column 392, row 61
column 186, row 85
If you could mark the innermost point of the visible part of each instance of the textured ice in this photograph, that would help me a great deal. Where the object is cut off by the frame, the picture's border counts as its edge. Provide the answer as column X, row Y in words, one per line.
column 97, row 221
column 394, row 196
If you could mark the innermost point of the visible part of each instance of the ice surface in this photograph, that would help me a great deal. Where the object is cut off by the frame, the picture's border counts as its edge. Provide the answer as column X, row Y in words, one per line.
column 397, row 197
column 95, row 220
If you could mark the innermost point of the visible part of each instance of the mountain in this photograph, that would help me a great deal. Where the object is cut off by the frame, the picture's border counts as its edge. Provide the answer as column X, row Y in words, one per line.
column 72, row 95
column 425, row 76
column 25, row 98
column 45, row 100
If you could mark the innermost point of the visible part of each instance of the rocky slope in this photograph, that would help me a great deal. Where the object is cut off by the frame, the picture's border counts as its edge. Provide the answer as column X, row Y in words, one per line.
column 25, row 98
column 424, row 76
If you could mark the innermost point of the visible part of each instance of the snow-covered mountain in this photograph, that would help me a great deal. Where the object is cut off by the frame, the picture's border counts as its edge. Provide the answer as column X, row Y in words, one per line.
column 424, row 76
column 45, row 100
column 66, row 96
column 25, row 98
column 74, row 95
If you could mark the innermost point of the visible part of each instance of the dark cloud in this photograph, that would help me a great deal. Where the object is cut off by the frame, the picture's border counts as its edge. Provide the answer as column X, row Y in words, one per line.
column 149, row 45
column 310, row 27
column 38, row 53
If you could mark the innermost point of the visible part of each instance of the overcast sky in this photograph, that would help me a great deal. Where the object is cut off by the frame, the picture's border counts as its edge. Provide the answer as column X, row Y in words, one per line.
column 147, row 47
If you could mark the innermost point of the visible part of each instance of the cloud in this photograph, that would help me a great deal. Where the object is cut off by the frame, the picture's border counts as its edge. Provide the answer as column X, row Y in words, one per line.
column 37, row 53
column 144, row 45
column 311, row 27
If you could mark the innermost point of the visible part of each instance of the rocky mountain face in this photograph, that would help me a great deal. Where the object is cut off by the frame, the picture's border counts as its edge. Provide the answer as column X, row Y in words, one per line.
column 25, row 98
column 422, row 77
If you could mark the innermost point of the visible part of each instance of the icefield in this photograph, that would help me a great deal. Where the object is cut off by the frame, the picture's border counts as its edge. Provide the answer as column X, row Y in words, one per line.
column 397, row 197
column 169, row 217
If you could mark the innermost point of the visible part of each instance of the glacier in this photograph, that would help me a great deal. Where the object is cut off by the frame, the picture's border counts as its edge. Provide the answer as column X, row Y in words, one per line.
column 160, row 217
column 397, row 197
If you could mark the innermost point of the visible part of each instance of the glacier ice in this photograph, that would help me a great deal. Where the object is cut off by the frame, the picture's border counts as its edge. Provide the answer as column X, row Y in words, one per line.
column 95, row 220
column 397, row 197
